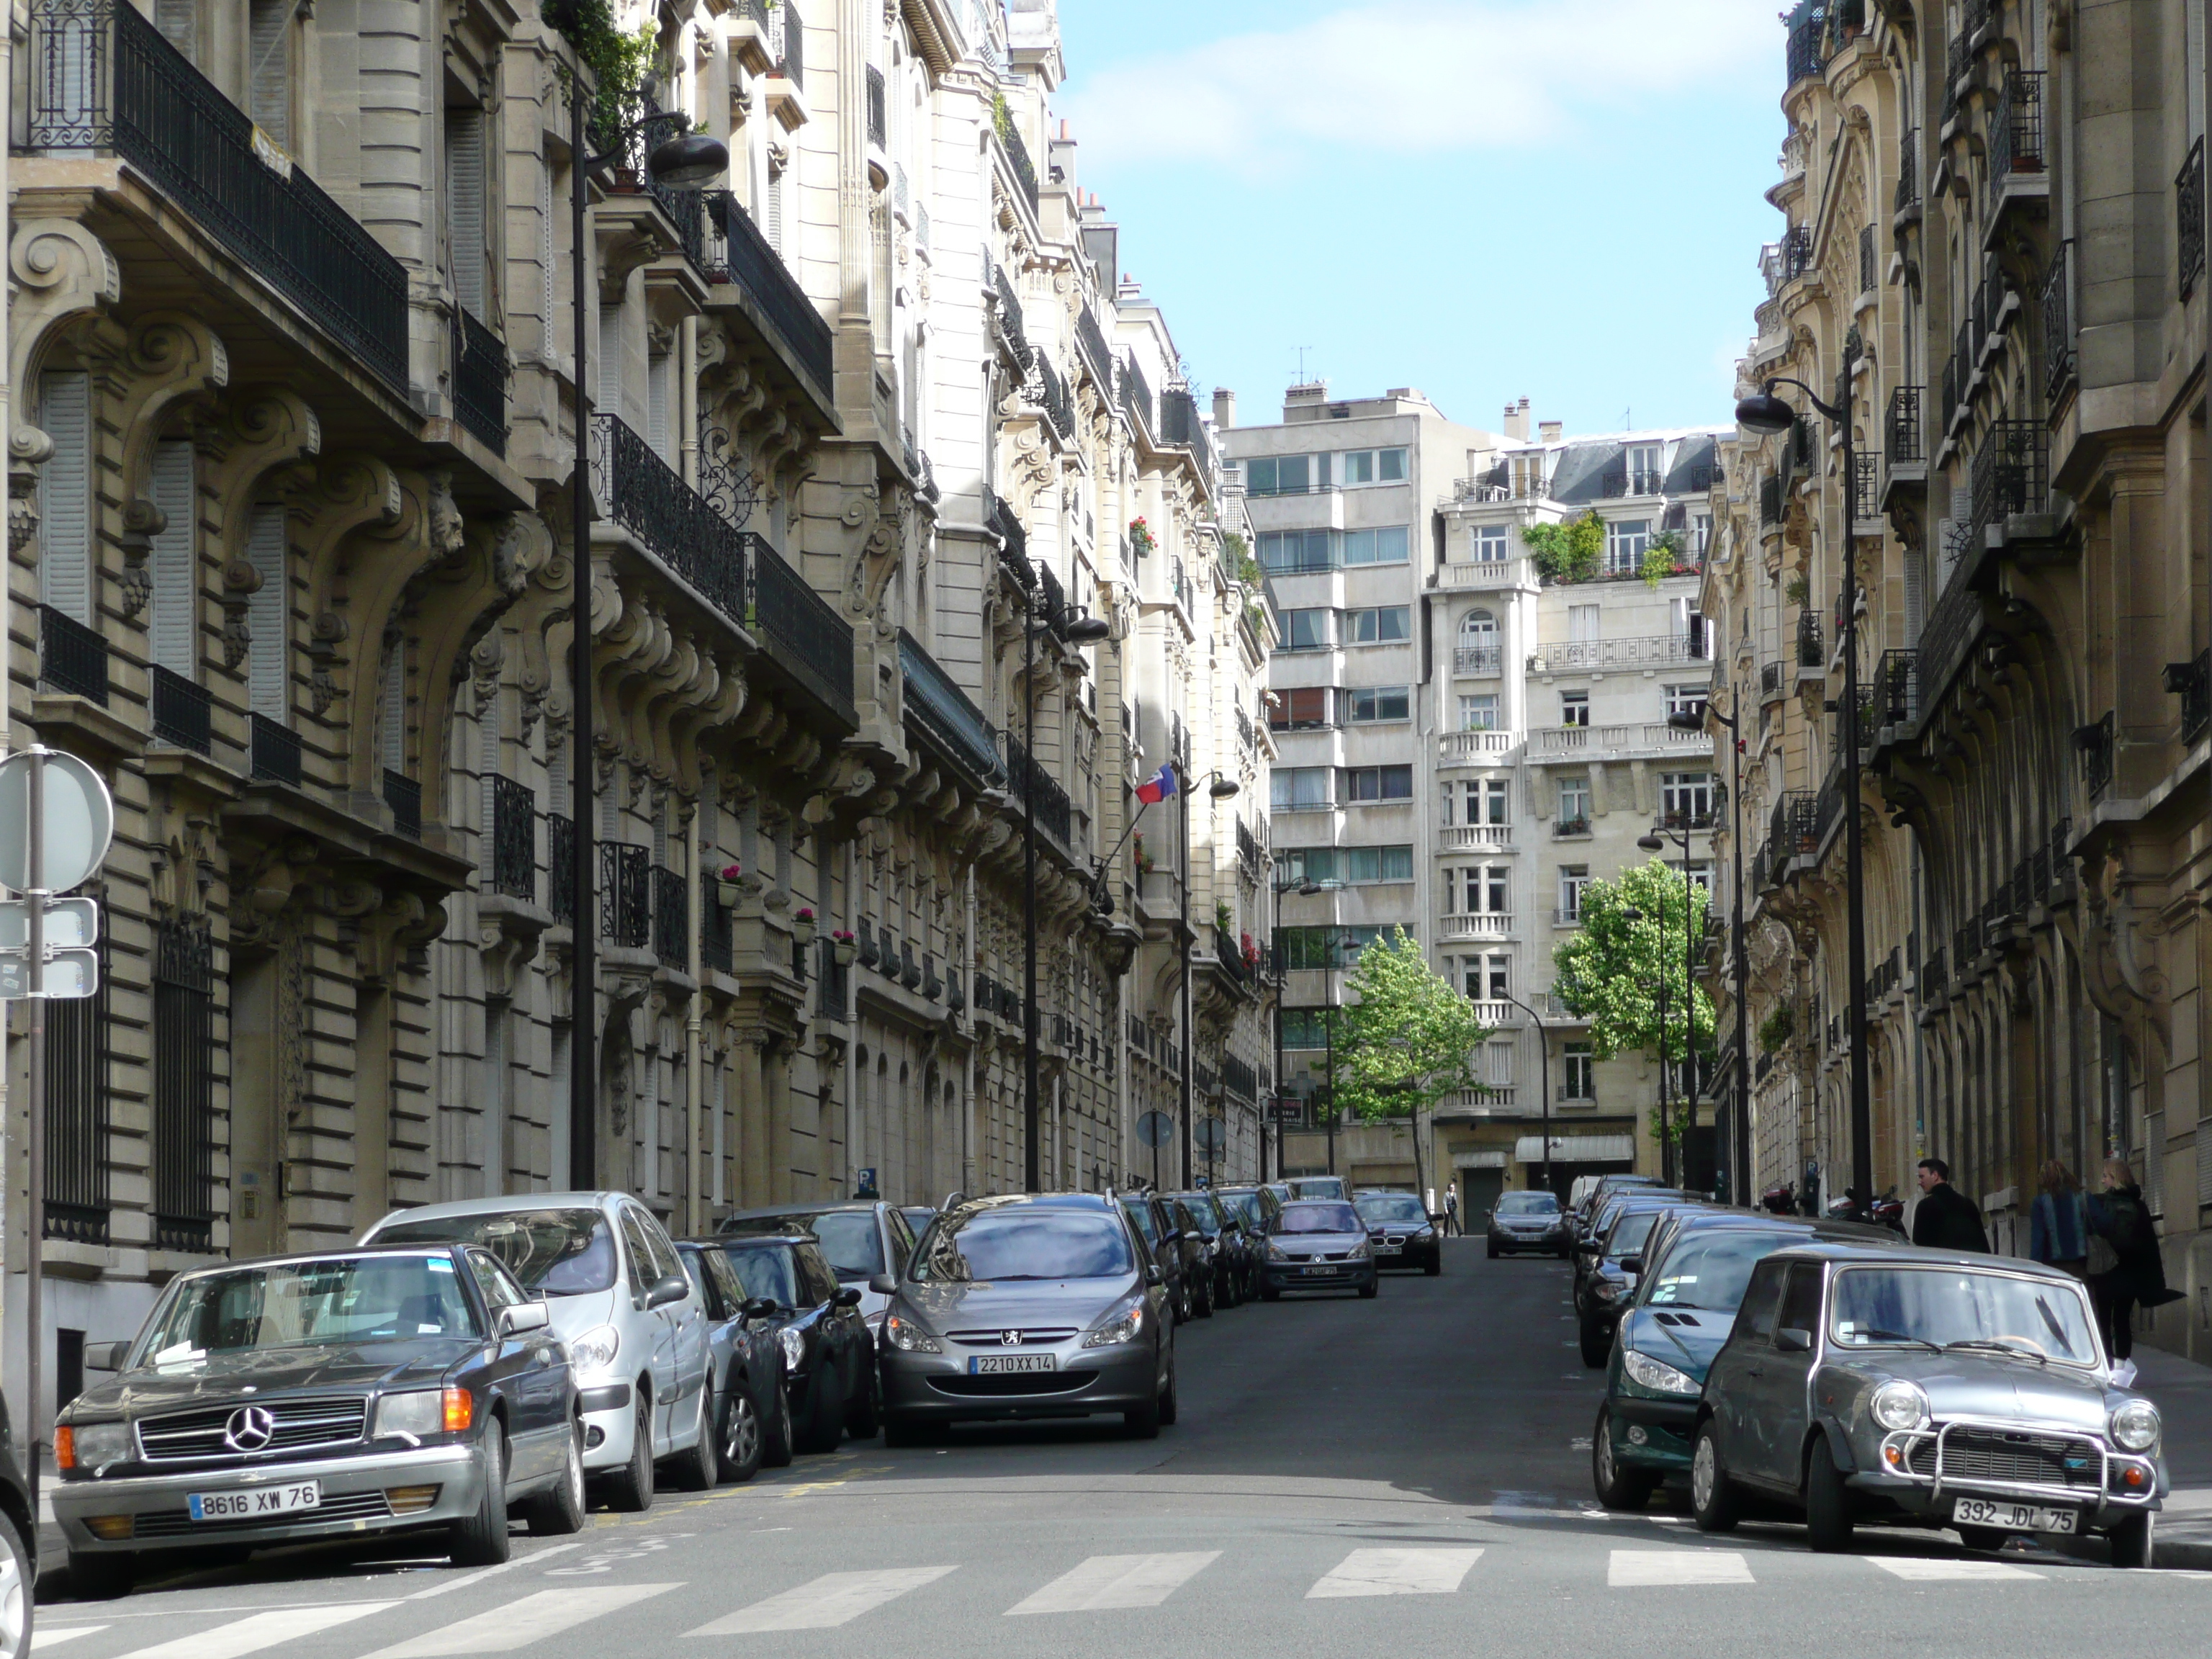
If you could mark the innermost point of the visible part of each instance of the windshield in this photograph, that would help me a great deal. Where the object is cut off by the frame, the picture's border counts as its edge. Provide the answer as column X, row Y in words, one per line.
column 1246, row 1205
column 1709, row 1270
column 553, row 1252
column 1202, row 1216
column 1875, row 1307
column 766, row 1270
column 1020, row 1242
column 298, row 1304
column 1391, row 1207
column 848, row 1238
column 1528, row 1204
column 1318, row 1187
column 1318, row 1219
column 1630, row 1232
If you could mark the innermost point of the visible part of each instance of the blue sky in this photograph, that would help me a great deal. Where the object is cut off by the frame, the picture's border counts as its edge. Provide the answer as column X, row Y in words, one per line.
column 1487, row 199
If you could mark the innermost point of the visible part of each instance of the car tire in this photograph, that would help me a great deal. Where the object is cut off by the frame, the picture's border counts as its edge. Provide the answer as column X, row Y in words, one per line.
column 1491, row 1250
column 775, row 1429
column 698, row 1466
column 1204, row 1298
column 1436, row 1263
column 1828, row 1520
column 1371, row 1289
column 1596, row 1344
column 1986, row 1540
column 1142, row 1422
column 1169, row 1405
column 98, row 1577
column 560, row 1510
column 1619, row 1487
column 862, row 1417
column 901, row 1433
column 482, row 1540
column 1713, row 1501
column 629, row 1489
column 823, row 1429
column 2131, row 1541
column 1269, row 1293
column 740, row 1440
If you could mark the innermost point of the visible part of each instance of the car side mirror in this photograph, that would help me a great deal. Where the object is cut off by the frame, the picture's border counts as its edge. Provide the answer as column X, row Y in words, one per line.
column 1631, row 1264
column 674, row 1288
column 106, row 1356
column 1790, row 1340
column 523, row 1316
column 849, row 1296
column 760, row 1307
column 883, row 1284
column 1152, row 1274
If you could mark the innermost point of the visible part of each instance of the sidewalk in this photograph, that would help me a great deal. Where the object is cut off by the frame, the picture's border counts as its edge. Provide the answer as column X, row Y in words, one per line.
column 2183, row 1392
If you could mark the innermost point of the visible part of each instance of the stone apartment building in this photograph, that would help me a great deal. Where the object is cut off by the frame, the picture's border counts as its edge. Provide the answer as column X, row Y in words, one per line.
column 1994, row 264
column 294, row 403
column 1463, row 744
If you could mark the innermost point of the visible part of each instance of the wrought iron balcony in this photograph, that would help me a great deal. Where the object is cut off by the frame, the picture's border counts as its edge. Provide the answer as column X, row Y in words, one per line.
column 514, row 839
column 561, row 867
column 1007, row 311
column 1769, row 500
column 1090, row 340
column 403, row 795
column 1137, row 395
column 1958, row 63
column 275, row 756
column 2016, row 133
column 102, row 79
column 1809, row 652
column 2191, row 681
column 787, row 42
column 941, row 709
column 1017, row 152
column 1477, row 660
column 184, row 713
column 2095, row 741
column 809, row 640
column 1058, row 409
column 1908, row 172
column 878, row 126
column 672, row 918
column 1001, row 520
column 72, row 658
column 2010, row 472
column 649, row 499
column 1027, row 778
column 1896, row 687
column 2189, row 219
column 480, row 372
column 1807, row 51
column 1902, row 438
column 1179, row 426
column 1643, row 651
column 756, row 269
column 1866, row 495
column 1796, row 252
column 717, row 942
column 2057, row 317
column 625, row 894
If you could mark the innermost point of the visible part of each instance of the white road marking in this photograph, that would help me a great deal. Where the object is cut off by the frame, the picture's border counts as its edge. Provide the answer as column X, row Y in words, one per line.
column 43, row 1639
column 1637, row 1569
column 1117, row 1581
column 262, row 1630
column 517, row 1625
column 834, row 1599
column 468, row 1578
column 1395, row 1572
column 1921, row 1570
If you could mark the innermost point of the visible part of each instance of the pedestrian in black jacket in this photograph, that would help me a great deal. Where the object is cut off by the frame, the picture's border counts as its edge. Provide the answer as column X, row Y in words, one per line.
column 2136, row 1274
column 1945, row 1218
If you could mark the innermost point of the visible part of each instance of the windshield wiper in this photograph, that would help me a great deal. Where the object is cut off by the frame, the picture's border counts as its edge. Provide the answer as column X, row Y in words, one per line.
column 2000, row 1347
column 1900, row 1336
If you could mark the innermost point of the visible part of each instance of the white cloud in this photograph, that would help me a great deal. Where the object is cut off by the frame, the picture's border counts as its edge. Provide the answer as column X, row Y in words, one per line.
column 1428, row 76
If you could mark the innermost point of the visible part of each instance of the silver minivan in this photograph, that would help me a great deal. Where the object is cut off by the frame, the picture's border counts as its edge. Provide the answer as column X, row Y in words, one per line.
column 619, row 1299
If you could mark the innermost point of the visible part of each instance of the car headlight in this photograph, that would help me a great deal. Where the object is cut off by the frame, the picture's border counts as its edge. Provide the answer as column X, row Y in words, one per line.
column 1275, row 1252
column 1360, row 1252
column 1426, row 1232
column 1660, row 1378
column 1604, row 1289
column 904, row 1335
column 1119, row 1326
column 794, row 1348
column 417, row 1413
column 594, row 1350
column 92, row 1446
column 2135, row 1425
column 1898, row 1404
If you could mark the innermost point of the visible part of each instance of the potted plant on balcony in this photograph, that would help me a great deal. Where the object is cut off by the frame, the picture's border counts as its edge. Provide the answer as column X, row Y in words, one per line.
column 1568, row 552
column 726, row 890
column 1144, row 858
column 802, row 925
column 1251, row 950
column 1140, row 537
column 844, row 947
column 1225, row 924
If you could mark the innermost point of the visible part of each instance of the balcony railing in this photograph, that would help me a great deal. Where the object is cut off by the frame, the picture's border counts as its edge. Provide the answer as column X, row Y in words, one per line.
column 2015, row 132
column 1644, row 650
column 1475, row 745
column 1474, row 659
column 1958, row 63
column 1006, row 308
column 2191, row 681
column 1809, row 652
column 1903, row 439
column 480, row 372
column 1908, row 172
column 1769, row 500
column 2009, row 473
column 717, row 946
column 1619, row 483
column 1090, row 339
column 1017, row 152
column 561, row 867
column 2058, row 316
column 1896, row 687
column 403, row 795
column 2095, row 743
column 672, row 918
column 756, row 268
column 1179, row 426
column 2189, row 219
column 804, row 636
column 1796, row 252
column 1484, row 926
column 945, row 711
column 876, row 125
column 1866, row 497
column 1055, row 813
column 1597, row 742
column 1867, row 271
column 625, row 894
column 275, row 752
column 514, row 839
column 1809, row 41
column 1137, row 395
column 102, row 78
column 184, row 713
column 786, row 41
column 649, row 499
column 72, row 658
column 1058, row 407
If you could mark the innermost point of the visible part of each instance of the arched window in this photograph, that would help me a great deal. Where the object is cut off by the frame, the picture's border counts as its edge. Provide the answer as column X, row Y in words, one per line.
column 1479, row 628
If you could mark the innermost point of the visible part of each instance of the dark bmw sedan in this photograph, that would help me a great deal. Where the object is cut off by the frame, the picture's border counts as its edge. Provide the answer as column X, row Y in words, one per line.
column 830, row 1372
column 363, row 1391
column 1028, row 1306
column 1318, row 1244
column 1399, row 1231
column 1529, row 1221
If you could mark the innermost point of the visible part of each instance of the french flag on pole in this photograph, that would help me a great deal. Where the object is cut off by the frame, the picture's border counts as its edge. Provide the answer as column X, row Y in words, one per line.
column 1159, row 786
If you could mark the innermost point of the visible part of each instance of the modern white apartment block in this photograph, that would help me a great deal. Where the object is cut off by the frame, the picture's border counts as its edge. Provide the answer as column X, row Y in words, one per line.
column 1463, row 744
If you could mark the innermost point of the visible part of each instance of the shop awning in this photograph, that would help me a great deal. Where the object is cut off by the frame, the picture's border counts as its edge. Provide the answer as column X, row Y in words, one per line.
column 1576, row 1149
column 1492, row 1160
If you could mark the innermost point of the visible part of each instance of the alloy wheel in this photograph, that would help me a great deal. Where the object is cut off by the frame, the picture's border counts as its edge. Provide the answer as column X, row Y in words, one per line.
column 741, row 1440
column 1702, row 1474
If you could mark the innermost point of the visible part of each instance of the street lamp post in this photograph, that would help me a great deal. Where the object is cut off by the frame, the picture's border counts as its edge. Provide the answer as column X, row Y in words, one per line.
column 1740, row 1177
column 683, row 159
column 1543, row 1082
column 1654, row 843
column 1304, row 887
column 1764, row 412
column 1223, row 788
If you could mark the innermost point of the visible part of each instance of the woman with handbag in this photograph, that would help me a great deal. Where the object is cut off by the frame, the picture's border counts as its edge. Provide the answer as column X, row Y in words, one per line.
column 2058, row 1229
column 2128, row 1272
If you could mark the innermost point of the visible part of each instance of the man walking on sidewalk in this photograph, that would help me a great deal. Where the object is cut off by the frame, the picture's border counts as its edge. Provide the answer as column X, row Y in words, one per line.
column 1945, row 1218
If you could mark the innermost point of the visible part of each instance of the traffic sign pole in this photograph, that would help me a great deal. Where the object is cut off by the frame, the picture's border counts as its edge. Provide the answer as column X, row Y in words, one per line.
column 34, row 969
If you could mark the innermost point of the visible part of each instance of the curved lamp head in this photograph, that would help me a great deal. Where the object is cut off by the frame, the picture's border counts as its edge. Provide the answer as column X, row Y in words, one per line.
column 1764, row 412
column 1087, row 631
column 1651, row 843
column 1684, row 721
column 1307, row 888
column 1630, row 913
column 1224, row 789
column 688, row 160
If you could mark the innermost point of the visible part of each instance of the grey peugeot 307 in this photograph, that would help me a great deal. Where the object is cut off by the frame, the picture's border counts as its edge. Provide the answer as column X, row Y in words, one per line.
column 1022, row 1307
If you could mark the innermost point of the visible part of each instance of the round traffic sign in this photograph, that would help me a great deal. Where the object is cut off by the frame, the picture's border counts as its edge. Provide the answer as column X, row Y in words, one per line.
column 79, row 821
column 1155, row 1128
column 1211, row 1132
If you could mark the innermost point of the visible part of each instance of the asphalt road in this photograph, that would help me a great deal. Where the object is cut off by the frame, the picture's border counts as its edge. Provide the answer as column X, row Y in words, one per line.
column 1408, row 1472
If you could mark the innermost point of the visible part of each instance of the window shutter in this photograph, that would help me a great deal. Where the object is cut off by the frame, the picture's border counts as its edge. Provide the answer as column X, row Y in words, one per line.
column 174, row 20
column 608, row 394
column 65, row 494
column 268, row 615
column 657, row 378
column 776, row 215
column 174, row 623
column 391, row 735
column 465, row 205
column 269, row 79
column 550, row 301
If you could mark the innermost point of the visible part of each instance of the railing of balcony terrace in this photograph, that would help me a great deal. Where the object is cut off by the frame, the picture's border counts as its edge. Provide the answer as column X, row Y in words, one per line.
column 1958, row 63
column 943, row 710
column 807, row 639
column 1809, row 652
column 275, row 752
column 717, row 948
column 1619, row 482
column 561, row 867
column 786, row 41
column 1475, row 659
column 1055, row 813
column 2095, row 743
column 1137, row 395
column 480, row 372
column 1017, row 152
column 1897, row 687
column 514, row 839
column 2016, row 142
column 1866, row 497
column 403, row 795
column 672, row 918
column 1769, row 499
column 2191, row 681
column 2189, row 219
column 1808, row 52
column 1058, row 407
column 1866, row 259
column 1643, row 651
column 649, row 499
column 625, row 894
column 756, row 267
column 2057, row 317
column 184, row 713
column 1908, row 172
column 876, row 125
column 640, row 129
column 1180, row 425
column 1796, row 252
column 2009, row 472
column 1001, row 519
column 1902, row 439
column 1009, row 312
column 1090, row 340
column 72, row 658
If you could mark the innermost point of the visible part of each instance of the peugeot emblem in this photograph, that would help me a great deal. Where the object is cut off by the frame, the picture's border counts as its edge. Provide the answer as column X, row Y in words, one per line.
column 1009, row 1338
column 250, row 1429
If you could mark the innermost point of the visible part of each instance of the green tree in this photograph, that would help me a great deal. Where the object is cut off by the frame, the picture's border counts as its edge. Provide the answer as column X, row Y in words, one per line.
column 1667, row 554
column 1611, row 971
column 1407, row 1043
column 1568, row 552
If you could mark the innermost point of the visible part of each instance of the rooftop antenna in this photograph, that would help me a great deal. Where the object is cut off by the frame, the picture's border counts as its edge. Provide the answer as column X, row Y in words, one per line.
column 1627, row 419
column 1302, row 351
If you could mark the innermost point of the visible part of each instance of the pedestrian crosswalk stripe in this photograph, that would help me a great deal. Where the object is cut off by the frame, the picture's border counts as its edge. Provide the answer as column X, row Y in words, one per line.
column 259, row 1631
column 1395, row 1572
column 1922, row 1570
column 1117, row 1581
column 835, row 1598
column 1635, row 1569
column 519, row 1624
column 51, row 1638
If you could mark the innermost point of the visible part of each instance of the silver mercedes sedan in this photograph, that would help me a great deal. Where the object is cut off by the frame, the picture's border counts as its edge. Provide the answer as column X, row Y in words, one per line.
column 1026, row 1306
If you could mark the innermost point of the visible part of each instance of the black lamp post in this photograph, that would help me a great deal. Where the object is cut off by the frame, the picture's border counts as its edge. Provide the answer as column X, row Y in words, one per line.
column 1544, row 1082
column 684, row 161
column 1655, row 843
column 1221, row 788
column 1764, row 412
column 1740, row 1177
column 1304, row 887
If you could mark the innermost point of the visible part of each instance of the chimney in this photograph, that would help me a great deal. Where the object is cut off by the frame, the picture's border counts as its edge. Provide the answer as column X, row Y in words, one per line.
column 1516, row 421
column 1551, row 431
column 1224, row 409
